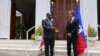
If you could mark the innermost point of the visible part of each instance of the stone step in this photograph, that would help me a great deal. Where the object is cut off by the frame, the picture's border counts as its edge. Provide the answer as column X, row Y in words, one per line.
column 58, row 42
column 27, row 44
column 15, row 47
column 31, row 48
column 30, row 44
column 11, row 46
column 18, row 42
column 28, row 52
column 36, row 53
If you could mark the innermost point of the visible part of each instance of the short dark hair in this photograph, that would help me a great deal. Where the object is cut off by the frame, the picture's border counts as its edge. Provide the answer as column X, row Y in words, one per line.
column 72, row 12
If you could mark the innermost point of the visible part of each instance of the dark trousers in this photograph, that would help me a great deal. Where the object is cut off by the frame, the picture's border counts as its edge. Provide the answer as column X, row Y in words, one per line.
column 69, row 43
column 49, row 46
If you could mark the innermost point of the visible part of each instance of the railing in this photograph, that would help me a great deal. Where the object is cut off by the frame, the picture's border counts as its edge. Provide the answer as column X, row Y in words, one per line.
column 98, row 25
column 4, row 27
column 29, row 31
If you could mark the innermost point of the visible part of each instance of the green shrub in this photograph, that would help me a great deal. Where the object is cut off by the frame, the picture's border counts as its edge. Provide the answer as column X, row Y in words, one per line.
column 33, row 36
column 38, row 32
column 91, row 31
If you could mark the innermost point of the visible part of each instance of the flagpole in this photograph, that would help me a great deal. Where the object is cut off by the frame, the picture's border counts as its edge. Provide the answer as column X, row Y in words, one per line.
column 86, row 40
column 85, row 31
column 82, row 54
column 77, row 1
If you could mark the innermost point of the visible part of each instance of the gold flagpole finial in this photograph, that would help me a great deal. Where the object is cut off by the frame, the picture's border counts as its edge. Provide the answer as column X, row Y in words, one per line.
column 77, row 0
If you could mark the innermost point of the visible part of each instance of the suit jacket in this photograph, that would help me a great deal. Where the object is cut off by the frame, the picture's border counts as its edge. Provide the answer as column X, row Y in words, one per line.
column 48, row 31
column 73, row 28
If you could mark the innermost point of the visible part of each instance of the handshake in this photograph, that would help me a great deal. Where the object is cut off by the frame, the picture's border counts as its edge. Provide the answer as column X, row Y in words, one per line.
column 55, row 29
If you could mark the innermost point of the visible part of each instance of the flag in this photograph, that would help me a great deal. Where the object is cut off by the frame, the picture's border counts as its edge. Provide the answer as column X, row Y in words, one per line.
column 81, row 39
column 41, row 47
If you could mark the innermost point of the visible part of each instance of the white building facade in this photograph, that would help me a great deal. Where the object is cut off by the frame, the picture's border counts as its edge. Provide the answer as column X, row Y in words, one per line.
column 88, row 13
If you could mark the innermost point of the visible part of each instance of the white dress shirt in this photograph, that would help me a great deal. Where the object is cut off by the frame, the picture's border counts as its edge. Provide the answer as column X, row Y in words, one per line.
column 72, row 19
column 50, row 21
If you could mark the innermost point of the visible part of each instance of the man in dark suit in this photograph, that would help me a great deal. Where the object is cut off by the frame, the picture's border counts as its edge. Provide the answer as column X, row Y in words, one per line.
column 48, row 35
column 72, row 33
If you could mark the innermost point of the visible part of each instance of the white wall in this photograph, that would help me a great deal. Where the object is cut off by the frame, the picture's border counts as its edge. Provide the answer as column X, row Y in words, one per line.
column 5, row 13
column 42, row 7
column 89, row 13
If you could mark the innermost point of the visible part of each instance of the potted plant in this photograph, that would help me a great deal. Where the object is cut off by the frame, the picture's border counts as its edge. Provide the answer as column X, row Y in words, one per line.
column 38, row 33
column 20, row 28
column 92, row 35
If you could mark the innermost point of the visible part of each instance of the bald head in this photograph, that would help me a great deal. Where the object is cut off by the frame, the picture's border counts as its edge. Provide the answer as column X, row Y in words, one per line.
column 49, row 15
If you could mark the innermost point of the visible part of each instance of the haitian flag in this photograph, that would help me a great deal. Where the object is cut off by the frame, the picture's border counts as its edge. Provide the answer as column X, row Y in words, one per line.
column 81, row 39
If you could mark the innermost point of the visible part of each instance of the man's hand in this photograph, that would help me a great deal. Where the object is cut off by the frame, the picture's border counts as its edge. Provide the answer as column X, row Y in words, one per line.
column 56, row 30
column 70, row 35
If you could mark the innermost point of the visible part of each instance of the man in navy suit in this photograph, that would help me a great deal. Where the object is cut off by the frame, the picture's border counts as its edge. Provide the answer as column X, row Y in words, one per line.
column 48, row 34
column 72, row 33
